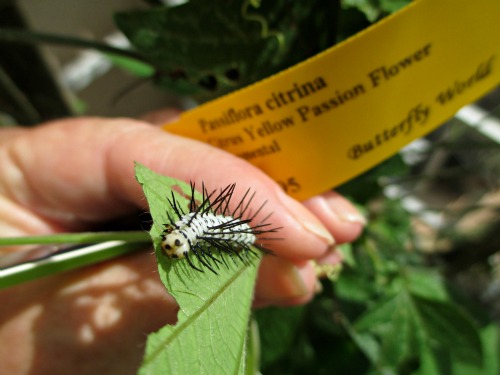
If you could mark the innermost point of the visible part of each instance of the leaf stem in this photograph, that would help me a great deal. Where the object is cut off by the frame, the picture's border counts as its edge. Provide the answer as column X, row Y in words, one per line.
column 65, row 261
column 33, row 37
column 77, row 238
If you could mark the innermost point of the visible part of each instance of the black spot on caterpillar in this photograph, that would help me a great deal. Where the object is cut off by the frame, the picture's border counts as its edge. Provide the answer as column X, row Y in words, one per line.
column 210, row 227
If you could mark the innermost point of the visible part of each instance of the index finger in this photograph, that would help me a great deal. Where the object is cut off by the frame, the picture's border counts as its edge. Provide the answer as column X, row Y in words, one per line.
column 75, row 172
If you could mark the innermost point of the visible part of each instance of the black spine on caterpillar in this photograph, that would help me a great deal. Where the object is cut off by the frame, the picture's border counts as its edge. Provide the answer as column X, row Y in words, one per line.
column 210, row 227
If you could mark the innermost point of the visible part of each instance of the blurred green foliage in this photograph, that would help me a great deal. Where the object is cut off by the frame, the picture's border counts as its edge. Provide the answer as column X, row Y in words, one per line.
column 389, row 312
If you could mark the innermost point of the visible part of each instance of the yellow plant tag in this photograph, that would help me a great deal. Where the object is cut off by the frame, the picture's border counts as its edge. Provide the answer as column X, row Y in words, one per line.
column 335, row 115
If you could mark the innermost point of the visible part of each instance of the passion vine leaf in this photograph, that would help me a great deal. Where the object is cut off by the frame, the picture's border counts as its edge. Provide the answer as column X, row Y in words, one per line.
column 210, row 335
column 208, row 48
column 406, row 323
column 440, row 321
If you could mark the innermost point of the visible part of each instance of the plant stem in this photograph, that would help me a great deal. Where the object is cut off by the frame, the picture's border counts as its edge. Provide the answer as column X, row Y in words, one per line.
column 32, row 37
column 65, row 261
column 77, row 238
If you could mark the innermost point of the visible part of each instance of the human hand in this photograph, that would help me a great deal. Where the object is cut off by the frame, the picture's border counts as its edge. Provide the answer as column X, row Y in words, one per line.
column 72, row 174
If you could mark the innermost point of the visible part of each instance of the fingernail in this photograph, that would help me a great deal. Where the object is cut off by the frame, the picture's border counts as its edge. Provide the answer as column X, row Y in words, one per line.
column 162, row 117
column 305, row 218
column 352, row 218
column 343, row 209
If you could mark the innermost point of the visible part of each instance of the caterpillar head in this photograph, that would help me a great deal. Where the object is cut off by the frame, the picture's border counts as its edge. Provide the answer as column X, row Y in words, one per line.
column 174, row 245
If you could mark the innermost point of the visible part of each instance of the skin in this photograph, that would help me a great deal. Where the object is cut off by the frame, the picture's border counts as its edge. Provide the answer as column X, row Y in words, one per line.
column 73, row 175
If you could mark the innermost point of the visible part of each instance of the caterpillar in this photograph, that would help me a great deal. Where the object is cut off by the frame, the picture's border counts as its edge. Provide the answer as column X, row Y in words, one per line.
column 210, row 227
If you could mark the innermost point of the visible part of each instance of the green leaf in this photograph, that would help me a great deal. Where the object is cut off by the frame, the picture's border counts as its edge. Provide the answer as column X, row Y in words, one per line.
column 407, row 326
column 366, row 342
column 375, row 9
column 347, row 254
column 206, row 48
column 490, row 339
column 278, row 328
column 438, row 362
column 445, row 325
column 434, row 361
column 352, row 287
column 426, row 283
column 209, row 337
column 392, row 322
column 369, row 7
column 392, row 6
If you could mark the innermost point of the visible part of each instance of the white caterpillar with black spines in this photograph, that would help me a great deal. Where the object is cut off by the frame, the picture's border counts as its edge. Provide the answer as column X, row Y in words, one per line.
column 210, row 227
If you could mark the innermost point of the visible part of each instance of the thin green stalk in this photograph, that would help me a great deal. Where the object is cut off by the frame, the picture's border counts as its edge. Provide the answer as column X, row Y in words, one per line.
column 77, row 238
column 33, row 37
column 65, row 261
column 106, row 245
